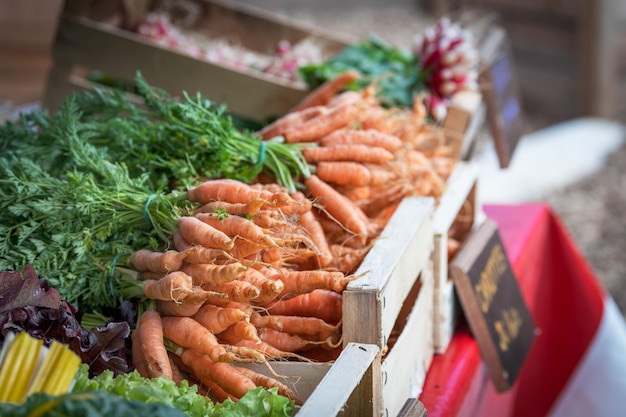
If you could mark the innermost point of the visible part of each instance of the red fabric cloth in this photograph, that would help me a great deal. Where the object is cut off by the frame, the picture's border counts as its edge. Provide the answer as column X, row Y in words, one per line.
column 566, row 302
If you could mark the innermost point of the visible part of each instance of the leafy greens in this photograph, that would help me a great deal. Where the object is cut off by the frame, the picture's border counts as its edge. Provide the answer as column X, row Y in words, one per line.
column 395, row 72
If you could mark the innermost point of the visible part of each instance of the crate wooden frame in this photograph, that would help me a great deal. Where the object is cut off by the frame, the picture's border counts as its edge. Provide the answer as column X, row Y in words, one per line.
column 83, row 44
column 459, row 199
column 388, row 309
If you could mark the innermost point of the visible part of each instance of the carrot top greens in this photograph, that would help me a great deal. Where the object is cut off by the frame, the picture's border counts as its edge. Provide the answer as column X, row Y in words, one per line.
column 82, row 189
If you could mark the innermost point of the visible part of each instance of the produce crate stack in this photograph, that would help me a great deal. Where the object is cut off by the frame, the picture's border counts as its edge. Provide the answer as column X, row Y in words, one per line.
column 102, row 37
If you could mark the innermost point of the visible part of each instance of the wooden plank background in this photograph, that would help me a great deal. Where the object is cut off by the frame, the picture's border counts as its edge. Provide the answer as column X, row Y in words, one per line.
column 561, row 67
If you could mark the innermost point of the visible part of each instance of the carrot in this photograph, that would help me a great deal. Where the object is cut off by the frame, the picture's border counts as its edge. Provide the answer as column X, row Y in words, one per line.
column 380, row 175
column 285, row 341
column 250, row 208
column 150, row 337
column 197, row 232
column 215, row 392
column 147, row 260
column 320, row 126
column 237, row 290
column 344, row 211
column 188, row 333
column 343, row 173
column 238, row 331
column 346, row 97
column 177, row 375
column 268, row 351
column 224, row 374
column 303, row 282
column 323, row 304
column 147, row 275
column 244, row 249
column 236, row 226
column 214, row 274
column 347, row 152
column 270, row 287
column 197, row 254
column 325, row 92
column 310, row 327
column 174, row 286
column 369, row 137
column 269, row 382
column 294, row 118
column 179, row 309
column 139, row 361
column 233, row 191
column 217, row 319
column 346, row 259
column 272, row 256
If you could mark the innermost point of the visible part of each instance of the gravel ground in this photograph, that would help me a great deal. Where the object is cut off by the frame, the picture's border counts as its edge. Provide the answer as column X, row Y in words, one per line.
column 591, row 209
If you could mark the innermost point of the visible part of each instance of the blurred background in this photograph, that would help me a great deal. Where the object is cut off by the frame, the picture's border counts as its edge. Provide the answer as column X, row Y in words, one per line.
column 570, row 57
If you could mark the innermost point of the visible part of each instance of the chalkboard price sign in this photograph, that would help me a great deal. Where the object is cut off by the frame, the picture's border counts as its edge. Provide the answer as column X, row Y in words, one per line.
column 500, row 88
column 493, row 305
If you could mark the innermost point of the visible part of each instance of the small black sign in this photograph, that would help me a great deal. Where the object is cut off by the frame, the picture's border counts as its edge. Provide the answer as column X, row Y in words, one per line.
column 499, row 85
column 493, row 304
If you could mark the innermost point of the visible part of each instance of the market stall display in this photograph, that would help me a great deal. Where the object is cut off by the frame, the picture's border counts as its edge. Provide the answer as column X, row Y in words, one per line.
column 249, row 259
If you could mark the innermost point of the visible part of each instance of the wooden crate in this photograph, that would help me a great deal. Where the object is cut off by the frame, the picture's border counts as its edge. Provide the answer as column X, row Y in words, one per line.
column 390, row 309
column 84, row 45
column 455, row 216
column 347, row 387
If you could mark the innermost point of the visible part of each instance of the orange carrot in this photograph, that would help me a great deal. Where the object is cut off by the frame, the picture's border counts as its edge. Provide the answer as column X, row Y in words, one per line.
column 303, row 282
column 268, row 351
column 224, row 374
column 343, row 173
column 196, row 254
column 150, row 337
column 197, row 232
column 380, row 175
column 323, row 304
column 237, row 290
column 176, row 287
column 285, row 341
column 289, row 120
column 347, row 152
column 310, row 327
column 188, row 333
column 269, row 382
column 368, row 137
column 344, row 211
column 250, row 208
column 139, row 361
column 347, row 259
column 217, row 319
column 245, row 250
column 214, row 391
column 214, row 274
column 320, row 126
column 179, row 309
column 146, row 275
column 233, row 191
column 346, row 97
column 177, row 375
column 325, row 92
column 270, row 287
column 238, row 331
column 147, row 260
column 238, row 227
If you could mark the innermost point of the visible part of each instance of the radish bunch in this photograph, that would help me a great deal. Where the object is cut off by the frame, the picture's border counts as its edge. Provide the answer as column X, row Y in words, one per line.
column 448, row 60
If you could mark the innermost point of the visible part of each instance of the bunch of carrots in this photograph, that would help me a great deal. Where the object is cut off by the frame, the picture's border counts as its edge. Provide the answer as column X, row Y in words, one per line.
column 256, row 273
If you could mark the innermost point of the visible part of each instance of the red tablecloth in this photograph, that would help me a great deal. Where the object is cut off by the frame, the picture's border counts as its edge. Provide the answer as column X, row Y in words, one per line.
column 557, row 285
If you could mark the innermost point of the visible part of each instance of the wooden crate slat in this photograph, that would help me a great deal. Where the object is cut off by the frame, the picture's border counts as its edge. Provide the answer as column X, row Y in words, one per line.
column 371, row 303
column 345, row 379
column 404, row 368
